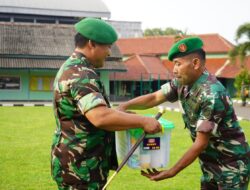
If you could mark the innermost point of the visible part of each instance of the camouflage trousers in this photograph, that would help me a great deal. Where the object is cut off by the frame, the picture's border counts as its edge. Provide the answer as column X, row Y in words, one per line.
column 66, row 181
column 87, row 175
column 230, row 178
column 213, row 185
column 84, row 186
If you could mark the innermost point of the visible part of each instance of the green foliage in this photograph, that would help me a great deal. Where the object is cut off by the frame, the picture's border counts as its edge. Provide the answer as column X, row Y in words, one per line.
column 162, row 32
column 242, row 78
column 243, row 30
column 241, row 50
column 26, row 136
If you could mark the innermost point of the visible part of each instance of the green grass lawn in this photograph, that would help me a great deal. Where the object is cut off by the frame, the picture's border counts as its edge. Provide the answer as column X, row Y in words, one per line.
column 25, row 136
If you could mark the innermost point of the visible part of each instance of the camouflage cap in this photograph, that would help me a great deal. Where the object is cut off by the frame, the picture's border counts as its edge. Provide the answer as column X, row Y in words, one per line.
column 96, row 30
column 185, row 47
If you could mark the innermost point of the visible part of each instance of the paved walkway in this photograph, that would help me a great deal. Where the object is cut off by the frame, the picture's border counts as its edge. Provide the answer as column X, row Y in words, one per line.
column 241, row 112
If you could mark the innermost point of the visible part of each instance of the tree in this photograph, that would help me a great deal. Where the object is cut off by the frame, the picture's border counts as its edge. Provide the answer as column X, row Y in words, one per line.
column 241, row 50
column 162, row 32
column 242, row 79
column 242, row 84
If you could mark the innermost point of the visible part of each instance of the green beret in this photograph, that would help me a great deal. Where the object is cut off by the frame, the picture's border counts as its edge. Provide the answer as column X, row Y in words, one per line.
column 96, row 30
column 185, row 47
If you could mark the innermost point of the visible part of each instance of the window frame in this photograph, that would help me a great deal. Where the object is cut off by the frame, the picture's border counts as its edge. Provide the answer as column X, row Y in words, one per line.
column 12, row 76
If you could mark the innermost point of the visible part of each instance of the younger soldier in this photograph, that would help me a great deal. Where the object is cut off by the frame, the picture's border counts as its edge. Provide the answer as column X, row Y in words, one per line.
column 83, row 148
column 208, row 114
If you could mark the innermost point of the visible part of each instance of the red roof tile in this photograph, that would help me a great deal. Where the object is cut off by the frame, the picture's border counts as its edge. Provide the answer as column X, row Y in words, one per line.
column 213, row 43
column 155, row 67
column 142, row 67
column 231, row 70
column 146, row 45
column 213, row 64
column 169, row 66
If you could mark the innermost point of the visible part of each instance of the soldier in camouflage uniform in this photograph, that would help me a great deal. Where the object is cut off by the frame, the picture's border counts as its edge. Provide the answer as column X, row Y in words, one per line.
column 83, row 143
column 208, row 114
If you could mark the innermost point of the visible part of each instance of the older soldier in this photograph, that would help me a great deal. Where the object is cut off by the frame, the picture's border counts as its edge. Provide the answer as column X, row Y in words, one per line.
column 83, row 144
column 208, row 114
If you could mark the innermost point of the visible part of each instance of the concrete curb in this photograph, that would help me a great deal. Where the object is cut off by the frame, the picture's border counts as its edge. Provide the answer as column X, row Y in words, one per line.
column 25, row 104
column 240, row 102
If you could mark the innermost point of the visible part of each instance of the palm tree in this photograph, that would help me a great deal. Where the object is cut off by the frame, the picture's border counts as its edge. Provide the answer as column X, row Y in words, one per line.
column 241, row 50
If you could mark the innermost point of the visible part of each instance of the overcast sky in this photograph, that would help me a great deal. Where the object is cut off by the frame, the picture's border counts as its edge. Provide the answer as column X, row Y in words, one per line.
column 195, row 16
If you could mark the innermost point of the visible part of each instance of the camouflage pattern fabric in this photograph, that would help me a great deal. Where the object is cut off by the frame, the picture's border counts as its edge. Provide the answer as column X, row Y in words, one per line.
column 82, row 154
column 207, row 107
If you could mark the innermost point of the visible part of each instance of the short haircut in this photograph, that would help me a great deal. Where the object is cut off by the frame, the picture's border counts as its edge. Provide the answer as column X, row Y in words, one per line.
column 201, row 53
column 80, row 40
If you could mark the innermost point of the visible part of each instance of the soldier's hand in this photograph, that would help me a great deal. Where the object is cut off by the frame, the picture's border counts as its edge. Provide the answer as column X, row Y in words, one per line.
column 158, row 175
column 151, row 125
column 122, row 107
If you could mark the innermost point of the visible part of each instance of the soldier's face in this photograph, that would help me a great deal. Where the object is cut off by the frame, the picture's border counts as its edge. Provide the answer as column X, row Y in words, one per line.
column 184, row 70
column 100, row 53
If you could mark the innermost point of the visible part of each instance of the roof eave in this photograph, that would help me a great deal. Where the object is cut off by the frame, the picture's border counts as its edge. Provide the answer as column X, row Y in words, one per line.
column 54, row 12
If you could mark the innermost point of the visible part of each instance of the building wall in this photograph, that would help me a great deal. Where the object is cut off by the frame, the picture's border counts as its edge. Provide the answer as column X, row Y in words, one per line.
column 20, row 94
column 31, row 90
column 127, row 29
column 26, row 93
column 104, row 75
column 229, row 85
column 41, row 94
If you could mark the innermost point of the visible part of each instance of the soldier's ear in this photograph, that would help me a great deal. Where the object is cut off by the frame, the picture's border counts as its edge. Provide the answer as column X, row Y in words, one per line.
column 196, row 63
column 91, row 44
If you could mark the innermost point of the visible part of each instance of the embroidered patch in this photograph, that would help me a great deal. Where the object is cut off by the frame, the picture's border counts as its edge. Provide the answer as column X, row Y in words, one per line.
column 182, row 47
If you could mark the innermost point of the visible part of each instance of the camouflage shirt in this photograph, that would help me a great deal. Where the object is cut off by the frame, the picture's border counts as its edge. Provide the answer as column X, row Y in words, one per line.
column 81, row 153
column 207, row 107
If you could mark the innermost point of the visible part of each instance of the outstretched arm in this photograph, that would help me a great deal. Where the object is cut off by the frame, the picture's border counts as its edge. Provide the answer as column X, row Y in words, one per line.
column 198, row 146
column 144, row 102
column 113, row 120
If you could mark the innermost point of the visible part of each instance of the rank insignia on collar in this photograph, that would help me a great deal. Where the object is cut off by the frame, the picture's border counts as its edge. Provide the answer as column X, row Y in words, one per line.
column 182, row 47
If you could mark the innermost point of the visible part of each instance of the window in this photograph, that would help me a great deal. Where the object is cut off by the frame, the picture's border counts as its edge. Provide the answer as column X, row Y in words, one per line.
column 41, row 83
column 67, row 21
column 4, row 19
column 46, row 21
column 24, row 19
column 10, row 83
